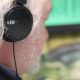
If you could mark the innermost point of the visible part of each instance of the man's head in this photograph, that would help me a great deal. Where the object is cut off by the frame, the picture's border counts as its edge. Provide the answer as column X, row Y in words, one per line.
column 28, row 51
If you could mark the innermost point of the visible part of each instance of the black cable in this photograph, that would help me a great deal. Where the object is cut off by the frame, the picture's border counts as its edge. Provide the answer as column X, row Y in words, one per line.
column 15, row 61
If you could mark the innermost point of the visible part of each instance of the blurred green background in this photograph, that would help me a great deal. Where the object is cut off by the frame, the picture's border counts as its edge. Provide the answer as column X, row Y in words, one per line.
column 64, row 12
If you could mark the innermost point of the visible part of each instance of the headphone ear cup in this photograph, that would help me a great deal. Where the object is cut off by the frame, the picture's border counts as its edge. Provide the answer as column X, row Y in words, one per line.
column 18, row 24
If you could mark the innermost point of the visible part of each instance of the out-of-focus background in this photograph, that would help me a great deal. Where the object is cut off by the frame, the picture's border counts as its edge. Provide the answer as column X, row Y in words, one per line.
column 61, row 54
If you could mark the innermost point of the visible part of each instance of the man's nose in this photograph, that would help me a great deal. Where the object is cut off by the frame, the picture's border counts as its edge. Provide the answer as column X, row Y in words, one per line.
column 47, row 8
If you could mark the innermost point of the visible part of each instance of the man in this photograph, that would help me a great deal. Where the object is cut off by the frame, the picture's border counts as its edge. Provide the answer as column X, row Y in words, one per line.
column 28, row 51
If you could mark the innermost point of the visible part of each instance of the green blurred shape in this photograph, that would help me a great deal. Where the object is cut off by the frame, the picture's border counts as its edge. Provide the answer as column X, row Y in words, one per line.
column 64, row 12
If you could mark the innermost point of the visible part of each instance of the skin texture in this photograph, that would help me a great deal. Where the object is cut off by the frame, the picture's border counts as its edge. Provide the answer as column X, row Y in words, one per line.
column 28, row 51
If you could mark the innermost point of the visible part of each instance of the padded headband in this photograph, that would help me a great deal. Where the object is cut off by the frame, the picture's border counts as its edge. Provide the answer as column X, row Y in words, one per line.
column 21, row 1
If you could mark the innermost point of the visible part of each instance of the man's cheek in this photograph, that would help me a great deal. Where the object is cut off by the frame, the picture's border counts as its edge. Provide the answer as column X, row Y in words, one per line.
column 29, row 51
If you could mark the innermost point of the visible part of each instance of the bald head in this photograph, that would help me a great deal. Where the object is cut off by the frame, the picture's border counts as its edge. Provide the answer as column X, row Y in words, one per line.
column 28, row 51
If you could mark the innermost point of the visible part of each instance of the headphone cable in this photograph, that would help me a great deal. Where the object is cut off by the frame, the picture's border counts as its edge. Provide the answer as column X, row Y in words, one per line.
column 15, row 61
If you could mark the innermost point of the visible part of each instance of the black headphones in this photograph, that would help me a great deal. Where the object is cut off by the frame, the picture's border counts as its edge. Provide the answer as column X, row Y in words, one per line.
column 18, row 22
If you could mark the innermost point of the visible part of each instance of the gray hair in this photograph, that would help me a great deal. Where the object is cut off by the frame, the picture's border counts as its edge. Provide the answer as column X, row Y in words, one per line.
column 4, row 7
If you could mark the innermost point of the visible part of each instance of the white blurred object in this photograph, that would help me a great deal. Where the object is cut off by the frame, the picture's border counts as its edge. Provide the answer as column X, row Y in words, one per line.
column 75, row 73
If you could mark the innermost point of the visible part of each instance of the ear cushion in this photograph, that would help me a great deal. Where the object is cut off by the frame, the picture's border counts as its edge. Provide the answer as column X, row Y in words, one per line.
column 18, row 24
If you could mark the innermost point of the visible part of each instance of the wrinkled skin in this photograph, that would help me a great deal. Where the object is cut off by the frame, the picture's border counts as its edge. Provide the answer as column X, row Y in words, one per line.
column 28, row 51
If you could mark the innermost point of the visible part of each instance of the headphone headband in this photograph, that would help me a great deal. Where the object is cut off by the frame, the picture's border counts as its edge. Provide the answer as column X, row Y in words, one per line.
column 21, row 1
